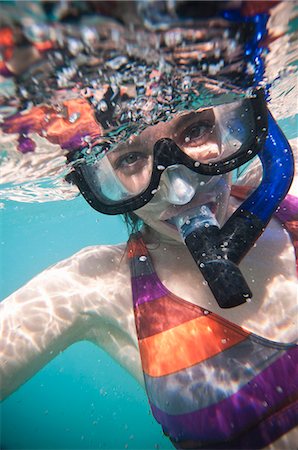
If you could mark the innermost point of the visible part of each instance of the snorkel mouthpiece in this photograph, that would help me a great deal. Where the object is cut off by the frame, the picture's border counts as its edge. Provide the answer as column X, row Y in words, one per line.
column 201, row 235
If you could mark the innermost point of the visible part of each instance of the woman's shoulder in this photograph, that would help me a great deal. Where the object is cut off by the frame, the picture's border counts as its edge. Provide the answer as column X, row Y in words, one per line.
column 95, row 260
column 77, row 277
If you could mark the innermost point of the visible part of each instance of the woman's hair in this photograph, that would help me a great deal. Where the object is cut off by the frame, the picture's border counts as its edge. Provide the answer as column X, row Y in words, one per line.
column 133, row 222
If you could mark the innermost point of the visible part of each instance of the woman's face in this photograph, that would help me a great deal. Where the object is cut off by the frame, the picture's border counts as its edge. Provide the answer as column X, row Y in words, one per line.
column 181, row 191
column 195, row 133
column 128, row 170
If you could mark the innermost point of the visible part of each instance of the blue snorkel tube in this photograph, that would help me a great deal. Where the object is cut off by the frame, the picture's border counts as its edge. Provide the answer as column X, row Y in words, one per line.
column 255, row 213
column 218, row 251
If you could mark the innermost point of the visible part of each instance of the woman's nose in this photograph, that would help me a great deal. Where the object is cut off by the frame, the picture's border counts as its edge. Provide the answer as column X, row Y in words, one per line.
column 179, row 184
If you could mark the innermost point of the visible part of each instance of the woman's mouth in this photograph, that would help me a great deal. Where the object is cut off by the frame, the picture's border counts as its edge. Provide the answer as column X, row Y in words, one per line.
column 190, row 209
column 191, row 213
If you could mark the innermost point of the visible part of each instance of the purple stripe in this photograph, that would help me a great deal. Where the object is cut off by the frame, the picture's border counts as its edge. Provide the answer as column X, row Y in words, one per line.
column 268, row 431
column 260, row 436
column 146, row 288
column 288, row 209
column 242, row 410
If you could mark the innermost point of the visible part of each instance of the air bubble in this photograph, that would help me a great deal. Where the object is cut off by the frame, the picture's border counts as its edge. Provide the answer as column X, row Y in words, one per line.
column 74, row 117
column 160, row 167
column 143, row 258
column 87, row 139
column 197, row 164
column 102, row 106
column 117, row 62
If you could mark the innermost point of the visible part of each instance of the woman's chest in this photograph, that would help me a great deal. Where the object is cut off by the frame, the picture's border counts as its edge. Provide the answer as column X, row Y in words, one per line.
column 270, row 271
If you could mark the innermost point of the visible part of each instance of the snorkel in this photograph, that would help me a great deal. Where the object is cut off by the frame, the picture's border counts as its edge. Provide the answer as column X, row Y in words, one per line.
column 218, row 251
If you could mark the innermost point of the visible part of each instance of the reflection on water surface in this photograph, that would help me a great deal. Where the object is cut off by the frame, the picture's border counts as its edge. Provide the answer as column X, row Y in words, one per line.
column 71, row 77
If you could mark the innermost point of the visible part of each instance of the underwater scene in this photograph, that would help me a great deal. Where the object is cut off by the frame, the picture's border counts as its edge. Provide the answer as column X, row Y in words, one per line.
column 77, row 81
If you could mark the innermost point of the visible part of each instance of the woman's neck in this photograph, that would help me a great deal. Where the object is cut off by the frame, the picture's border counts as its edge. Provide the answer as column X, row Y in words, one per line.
column 154, row 238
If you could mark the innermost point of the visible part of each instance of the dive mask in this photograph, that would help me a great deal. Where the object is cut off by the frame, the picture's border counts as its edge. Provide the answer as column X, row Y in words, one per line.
column 209, row 141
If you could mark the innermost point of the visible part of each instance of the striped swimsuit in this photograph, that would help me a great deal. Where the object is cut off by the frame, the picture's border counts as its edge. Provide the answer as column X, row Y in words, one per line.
column 210, row 383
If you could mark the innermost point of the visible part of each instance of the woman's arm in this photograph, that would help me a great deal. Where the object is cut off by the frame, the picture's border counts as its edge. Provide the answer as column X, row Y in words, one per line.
column 36, row 323
column 86, row 296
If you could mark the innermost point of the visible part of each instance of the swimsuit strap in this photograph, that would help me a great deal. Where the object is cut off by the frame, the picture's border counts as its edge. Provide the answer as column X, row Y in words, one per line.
column 287, row 213
column 146, row 285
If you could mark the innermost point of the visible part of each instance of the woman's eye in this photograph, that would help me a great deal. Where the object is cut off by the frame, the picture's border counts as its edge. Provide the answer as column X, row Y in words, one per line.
column 130, row 160
column 197, row 134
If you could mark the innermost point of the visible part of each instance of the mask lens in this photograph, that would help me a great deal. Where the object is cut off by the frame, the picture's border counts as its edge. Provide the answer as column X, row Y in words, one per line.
column 120, row 174
column 216, row 134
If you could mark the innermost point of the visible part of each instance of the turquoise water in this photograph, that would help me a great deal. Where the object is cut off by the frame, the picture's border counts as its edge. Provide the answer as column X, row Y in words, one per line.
column 82, row 399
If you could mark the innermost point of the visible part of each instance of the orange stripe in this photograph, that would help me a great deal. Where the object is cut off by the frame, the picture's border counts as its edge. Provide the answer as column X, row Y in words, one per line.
column 136, row 248
column 186, row 345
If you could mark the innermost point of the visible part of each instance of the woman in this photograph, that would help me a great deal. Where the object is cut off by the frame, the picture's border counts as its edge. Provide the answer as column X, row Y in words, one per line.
column 213, row 343
column 47, row 315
